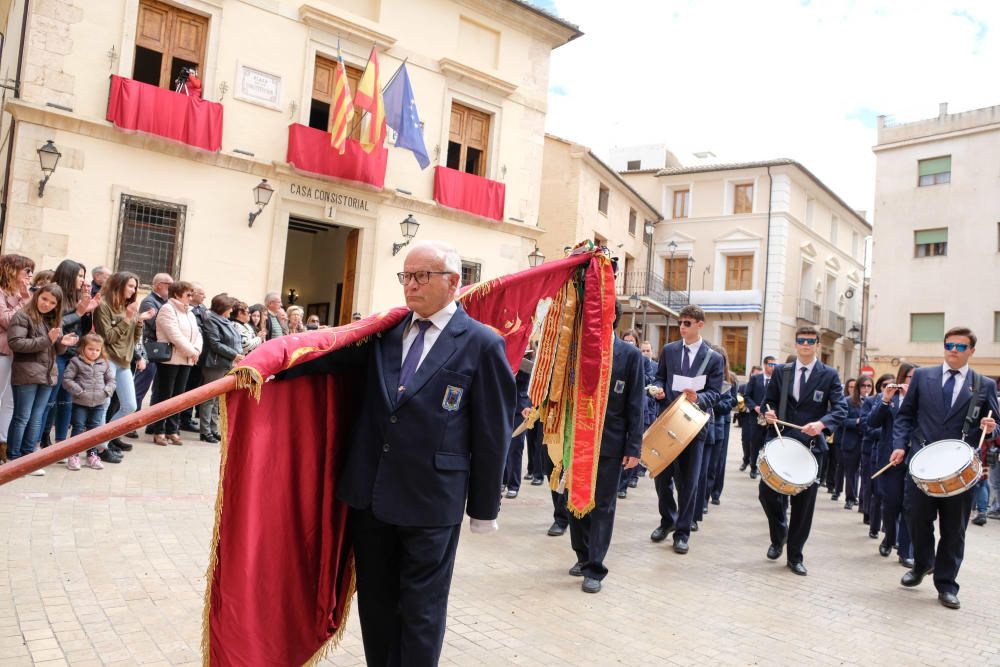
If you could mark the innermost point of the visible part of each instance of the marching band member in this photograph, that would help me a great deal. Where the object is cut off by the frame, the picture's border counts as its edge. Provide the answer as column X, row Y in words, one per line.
column 754, row 398
column 889, row 485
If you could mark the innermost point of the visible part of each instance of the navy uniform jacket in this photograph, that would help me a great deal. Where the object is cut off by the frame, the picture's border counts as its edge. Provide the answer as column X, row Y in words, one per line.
column 623, row 420
column 755, row 393
column 822, row 400
column 880, row 419
column 670, row 365
column 522, row 380
column 920, row 421
column 852, row 429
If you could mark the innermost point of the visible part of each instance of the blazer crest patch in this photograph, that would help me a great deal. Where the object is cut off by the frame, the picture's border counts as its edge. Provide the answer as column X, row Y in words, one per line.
column 620, row 386
column 452, row 398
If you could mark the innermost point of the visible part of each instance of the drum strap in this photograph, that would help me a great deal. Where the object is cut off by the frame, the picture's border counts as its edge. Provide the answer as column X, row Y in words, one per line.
column 974, row 403
column 786, row 389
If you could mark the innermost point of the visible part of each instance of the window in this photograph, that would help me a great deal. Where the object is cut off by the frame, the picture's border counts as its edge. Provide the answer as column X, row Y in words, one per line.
column 631, row 221
column 934, row 171
column 675, row 274
column 681, row 199
column 926, row 327
column 810, row 211
column 166, row 40
column 603, row 194
column 855, row 244
column 150, row 235
column 930, row 242
column 322, row 95
column 633, row 165
column 743, row 198
column 833, row 230
column 996, row 327
column 734, row 342
column 471, row 272
column 739, row 272
column 468, row 140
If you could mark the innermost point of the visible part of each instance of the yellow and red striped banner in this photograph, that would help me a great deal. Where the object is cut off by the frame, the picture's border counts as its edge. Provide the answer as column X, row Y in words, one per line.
column 342, row 111
column 369, row 98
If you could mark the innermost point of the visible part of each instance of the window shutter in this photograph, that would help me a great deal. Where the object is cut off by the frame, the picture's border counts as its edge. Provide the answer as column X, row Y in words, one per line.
column 926, row 327
column 937, row 165
column 931, row 236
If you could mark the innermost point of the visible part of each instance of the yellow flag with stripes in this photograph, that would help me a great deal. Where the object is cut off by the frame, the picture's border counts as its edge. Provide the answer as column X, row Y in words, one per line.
column 343, row 107
column 369, row 98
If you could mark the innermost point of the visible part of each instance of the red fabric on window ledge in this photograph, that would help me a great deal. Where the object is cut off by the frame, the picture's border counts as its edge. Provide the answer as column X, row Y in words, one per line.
column 309, row 150
column 137, row 106
column 468, row 192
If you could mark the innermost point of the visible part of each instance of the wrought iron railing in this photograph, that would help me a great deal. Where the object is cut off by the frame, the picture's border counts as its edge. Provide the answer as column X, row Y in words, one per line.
column 809, row 311
column 650, row 285
column 835, row 323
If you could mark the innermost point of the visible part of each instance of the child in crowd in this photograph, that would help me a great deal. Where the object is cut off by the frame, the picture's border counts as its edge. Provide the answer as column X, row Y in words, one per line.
column 90, row 380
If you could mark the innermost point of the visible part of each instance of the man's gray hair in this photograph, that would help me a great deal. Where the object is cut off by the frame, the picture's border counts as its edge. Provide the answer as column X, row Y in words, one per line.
column 98, row 270
column 446, row 253
column 272, row 295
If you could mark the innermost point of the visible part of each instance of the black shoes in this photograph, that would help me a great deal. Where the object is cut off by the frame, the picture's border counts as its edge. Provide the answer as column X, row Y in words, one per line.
column 835, row 497
column 884, row 550
column 659, row 534
column 590, row 585
column 694, row 526
column 774, row 552
column 715, row 501
column 110, row 456
column 753, row 474
column 213, row 440
column 913, row 578
column 623, row 493
column 132, row 434
column 576, row 570
column 743, row 466
column 511, row 493
column 190, row 426
column 906, row 562
column 980, row 520
column 537, row 481
column 555, row 530
column 849, row 505
column 124, row 446
column 634, row 482
column 873, row 534
column 949, row 600
column 680, row 545
column 798, row 568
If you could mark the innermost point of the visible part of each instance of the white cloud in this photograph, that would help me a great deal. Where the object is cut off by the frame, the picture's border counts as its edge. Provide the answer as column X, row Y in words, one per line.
column 785, row 78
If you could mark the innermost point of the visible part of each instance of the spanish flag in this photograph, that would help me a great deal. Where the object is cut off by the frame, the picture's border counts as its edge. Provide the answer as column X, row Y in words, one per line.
column 343, row 108
column 369, row 98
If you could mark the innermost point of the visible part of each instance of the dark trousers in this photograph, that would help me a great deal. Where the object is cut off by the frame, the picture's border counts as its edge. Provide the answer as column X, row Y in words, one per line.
column 717, row 466
column 143, row 381
column 684, row 472
column 847, row 474
column 170, row 381
column 953, row 513
column 591, row 535
column 757, row 438
column 534, row 445
column 893, row 522
column 560, row 513
column 833, row 464
column 515, row 457
column 195, row 379
column 794, row 530
column 745, row 438
column 865, row 490
column 403, row 578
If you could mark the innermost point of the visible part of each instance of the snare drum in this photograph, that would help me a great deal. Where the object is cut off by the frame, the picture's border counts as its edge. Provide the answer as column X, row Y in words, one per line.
column 945, row 468
column 787, row 466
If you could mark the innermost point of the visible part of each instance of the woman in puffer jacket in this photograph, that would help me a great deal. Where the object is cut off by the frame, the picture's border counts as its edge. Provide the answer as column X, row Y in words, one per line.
column 223, row 348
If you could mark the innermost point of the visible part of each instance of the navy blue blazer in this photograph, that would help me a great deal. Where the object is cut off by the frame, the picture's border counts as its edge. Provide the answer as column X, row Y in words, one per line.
column 873, row 432
column 670, row 365
column 522, row 380
column 624, row 417
column 852, row 429
column 754, row 394
column 880, row 419
column 822, row 400
column 652, row 407
column 920, row 420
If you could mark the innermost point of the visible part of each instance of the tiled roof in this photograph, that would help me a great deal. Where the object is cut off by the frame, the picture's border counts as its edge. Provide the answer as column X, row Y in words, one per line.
column 550, row 16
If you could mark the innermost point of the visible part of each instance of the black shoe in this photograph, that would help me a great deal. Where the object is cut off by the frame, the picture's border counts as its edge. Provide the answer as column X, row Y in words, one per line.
column 864, row 519
column 634, row 482
column 873, row 534
column 835, row 497
column 694, row 526
column 113, row 448
column 680, row 545
column 122, row 445
column 590, row 585
column 774, row 552
column 906, row 562
column 753, row 474
column 715, row 501
column 798, row 568
column 217, row 435
column 622, row 494
column 704, row 510
column 108, row 456
column 576, row 570
column 537, row 481
column 848, row 505
column 980, row 520
column 913, row 578
column 511, row 493
column 132, row 434
column 190, row 426
column 659, row 534
column 46, row 440
column 884, row 550
column 743, row 466
column 209, row 438
column 526, row 475
column 149, row 430
column 949, row 600
column 555, row 530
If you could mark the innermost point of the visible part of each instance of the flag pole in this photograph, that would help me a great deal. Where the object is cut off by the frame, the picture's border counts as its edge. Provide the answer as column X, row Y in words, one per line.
column 384, row 88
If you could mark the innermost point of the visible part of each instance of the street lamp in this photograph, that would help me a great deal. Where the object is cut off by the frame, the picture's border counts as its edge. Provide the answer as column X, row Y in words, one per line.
column 535, row 258
column 261, row 196
column 48, row 156
column 854, row 333
column 634, row 301
column 408, row 227
column 670, row 274
column 690, row 268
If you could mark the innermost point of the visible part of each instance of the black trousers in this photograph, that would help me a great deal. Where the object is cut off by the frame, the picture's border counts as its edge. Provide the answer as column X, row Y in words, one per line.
column 684, row 472
column 953, row 513
column 757, row 438
column 717, row 470
column 170, row 381
column 794, row 530
column 847, row 474
column 515, row 457
column 746, row 432
column 534, row 445
column 194, row 381
column 833, row 464
column 560, row 513
column 591, row 535
column 403, row 578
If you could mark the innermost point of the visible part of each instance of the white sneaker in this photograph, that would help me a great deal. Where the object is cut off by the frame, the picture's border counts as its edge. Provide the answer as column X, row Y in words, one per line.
column 73, row 463
column 37, row 473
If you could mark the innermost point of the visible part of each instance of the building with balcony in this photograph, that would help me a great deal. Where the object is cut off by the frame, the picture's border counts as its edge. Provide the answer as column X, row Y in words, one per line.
column 583, row 198
column 152, row 180
column 936, row 247
column 763, row 247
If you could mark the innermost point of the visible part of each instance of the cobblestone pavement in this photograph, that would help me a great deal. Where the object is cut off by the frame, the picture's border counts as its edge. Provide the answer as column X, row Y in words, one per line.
column 108, row 567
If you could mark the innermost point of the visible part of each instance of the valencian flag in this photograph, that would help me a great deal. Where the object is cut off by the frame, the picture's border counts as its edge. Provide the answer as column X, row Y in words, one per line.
column 281, row 570
column 401, row 115
column 343, row 108
column 369, row 98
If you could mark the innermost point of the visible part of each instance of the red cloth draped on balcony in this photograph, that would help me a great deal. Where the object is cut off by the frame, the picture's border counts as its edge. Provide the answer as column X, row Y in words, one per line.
column 468, row 192
column 309, row 150
column 137, row 106
column 281, row 573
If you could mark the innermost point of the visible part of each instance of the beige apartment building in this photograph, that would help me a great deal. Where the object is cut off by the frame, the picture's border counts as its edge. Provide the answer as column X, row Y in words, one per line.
column 583, row 198
column 763, row 247
column 153, row 180
column 936, row 247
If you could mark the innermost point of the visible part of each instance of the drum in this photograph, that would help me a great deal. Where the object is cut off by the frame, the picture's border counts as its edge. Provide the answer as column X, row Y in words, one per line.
column 945, row 468
column 672, row 431
column 787, row 466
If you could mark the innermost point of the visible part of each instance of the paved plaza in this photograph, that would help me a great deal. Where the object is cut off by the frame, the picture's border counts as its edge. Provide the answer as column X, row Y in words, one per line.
column 108, row 567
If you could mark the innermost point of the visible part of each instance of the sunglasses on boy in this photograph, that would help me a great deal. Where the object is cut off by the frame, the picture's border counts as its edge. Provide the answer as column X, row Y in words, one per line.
column 961, row 347
column 805, row 341
column 687, row 323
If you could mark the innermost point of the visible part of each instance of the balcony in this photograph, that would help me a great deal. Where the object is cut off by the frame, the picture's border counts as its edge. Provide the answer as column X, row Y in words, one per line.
column 651, row 286
column 470, row 193
column 808, row 311
column 729, row 301
column 309, row 151
column 835, row 323
column 139, row 107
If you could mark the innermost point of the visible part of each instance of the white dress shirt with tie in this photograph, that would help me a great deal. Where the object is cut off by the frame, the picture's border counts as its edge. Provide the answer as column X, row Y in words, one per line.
column 438, row 320
column 959, row 379
column 797, row 379
column 693, row 349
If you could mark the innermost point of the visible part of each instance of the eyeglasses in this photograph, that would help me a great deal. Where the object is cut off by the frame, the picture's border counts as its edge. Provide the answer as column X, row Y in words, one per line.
column 422, row 277
column 687, row 323
column 961, row 347
column 771, row 364
column 805, row 341
column 188, row 293
column 866, row 385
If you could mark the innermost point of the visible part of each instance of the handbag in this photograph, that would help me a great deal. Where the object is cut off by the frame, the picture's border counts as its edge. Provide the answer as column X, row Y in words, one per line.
column 159, row 351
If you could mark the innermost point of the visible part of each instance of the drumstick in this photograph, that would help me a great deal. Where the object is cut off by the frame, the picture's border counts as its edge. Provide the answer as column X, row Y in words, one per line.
column 778, row 421
column 889, row 465
column 989, row 415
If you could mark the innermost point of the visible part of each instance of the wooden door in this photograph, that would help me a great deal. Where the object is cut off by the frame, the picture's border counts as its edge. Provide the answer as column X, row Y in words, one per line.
column 173, row 33
column 350, row 275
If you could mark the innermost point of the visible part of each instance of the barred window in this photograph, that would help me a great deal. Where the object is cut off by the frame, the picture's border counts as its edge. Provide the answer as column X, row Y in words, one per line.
column 150, row 235
column 470, row 272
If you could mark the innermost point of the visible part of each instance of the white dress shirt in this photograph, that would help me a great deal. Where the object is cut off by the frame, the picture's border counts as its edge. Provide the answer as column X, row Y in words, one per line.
column 796, row 377
column 959, row 379
column 438, row 320
column 693, row 349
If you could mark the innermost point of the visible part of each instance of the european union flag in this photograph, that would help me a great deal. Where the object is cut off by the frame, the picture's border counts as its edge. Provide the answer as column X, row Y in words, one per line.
column 401, row 115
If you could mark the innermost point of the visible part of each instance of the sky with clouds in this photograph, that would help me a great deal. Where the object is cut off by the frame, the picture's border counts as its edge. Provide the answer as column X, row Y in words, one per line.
column 756, row 80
